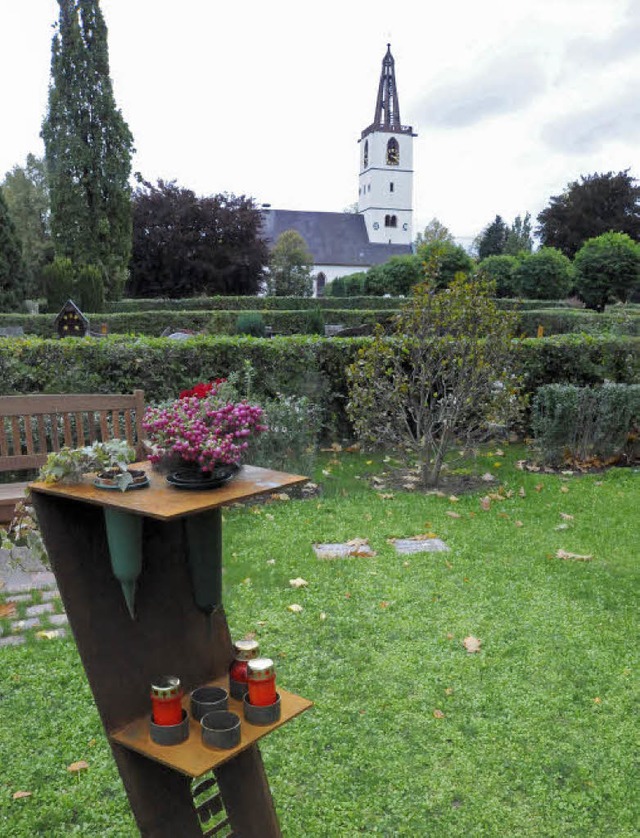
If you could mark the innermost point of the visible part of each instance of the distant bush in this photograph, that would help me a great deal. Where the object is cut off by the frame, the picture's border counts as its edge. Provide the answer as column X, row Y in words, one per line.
column 251, row 323
column 252, row 303
column 314, row 322
column 564, row 321
column 396, row 276
column 546, row 274
column 450, row 259
column 578, row 424
column 607, row 269
column 502, row 270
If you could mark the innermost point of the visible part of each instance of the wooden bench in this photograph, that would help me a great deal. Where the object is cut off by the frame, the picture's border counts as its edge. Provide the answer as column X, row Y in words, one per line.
column 33, row 426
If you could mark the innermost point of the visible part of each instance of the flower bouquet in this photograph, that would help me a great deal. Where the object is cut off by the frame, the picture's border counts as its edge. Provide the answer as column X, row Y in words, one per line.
column 201, row 435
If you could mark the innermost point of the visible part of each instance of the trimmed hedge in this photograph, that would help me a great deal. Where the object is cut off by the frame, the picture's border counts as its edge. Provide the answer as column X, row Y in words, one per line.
column 300, row 365
column 249, row 304
column 154, row 323
column 565, row 321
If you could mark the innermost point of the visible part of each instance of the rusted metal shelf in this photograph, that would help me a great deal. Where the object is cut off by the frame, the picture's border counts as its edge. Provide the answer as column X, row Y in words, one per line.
column 192, row 757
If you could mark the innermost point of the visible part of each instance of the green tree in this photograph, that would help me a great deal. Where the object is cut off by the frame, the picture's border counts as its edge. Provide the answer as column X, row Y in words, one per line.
column 546, row 274
column 27, row 196
column 290, row 267
column 450, row 259
column 607, row 269
column 493, row 239
column 396, row 276
column 587, row 208
column 88, row 148
column 13, row 275
column 435, row 231
column 502, row 270
column 441, row 379
column 519, row 238
column 58, row 282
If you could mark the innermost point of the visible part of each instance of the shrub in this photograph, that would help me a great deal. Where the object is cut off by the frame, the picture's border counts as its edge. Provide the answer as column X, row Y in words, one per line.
column 58, row 279
column 88, row 288
column 577, row 424
column 442, row 380
column 251, row 323
column 445, row 261
column 546, row 274
column 607, row 269
column 502, row 270
column 314, row 322
column 396, row 277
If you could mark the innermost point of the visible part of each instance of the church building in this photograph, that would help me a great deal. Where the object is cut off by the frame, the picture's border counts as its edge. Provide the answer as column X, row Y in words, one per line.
column 343, row 243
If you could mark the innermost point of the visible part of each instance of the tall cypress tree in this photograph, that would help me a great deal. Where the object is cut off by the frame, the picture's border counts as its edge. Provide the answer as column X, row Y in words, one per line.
column 12, row 270
column 88, row 148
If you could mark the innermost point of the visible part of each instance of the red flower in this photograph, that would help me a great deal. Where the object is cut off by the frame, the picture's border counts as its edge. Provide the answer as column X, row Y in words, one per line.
column 203, row 389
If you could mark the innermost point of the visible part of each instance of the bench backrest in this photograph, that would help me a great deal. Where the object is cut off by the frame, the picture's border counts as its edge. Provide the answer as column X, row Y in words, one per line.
column 33, row 426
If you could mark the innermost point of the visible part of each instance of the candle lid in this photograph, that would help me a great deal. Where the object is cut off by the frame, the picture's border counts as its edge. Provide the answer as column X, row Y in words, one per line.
column 260, row 669
column 246, row 650
column 165, row 686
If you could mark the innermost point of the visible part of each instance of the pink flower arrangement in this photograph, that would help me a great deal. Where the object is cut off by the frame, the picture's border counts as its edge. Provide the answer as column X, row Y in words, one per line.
column 202, row 428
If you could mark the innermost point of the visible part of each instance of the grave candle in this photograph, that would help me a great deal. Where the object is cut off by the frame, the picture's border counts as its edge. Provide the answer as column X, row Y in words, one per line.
column 261, row 675
column 245, row 650
column 166, row 700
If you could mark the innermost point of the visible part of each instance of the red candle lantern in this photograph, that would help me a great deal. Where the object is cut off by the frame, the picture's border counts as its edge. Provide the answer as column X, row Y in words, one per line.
column 166, row 700
column 261, row 675
column 245, row 650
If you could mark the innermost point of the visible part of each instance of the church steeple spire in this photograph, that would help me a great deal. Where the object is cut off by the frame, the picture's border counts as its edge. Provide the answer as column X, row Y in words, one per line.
column 387, row 105
column 387, row 116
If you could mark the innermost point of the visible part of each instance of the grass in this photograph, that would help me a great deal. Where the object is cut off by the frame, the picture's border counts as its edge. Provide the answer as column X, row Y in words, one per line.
column 536, row 735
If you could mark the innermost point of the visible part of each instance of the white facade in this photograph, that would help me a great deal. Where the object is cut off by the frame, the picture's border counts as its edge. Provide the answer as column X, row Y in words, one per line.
column 385, row 193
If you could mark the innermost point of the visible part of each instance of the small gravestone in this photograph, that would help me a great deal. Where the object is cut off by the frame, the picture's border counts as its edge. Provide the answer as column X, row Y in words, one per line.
column 408, row 546
column 71, row 322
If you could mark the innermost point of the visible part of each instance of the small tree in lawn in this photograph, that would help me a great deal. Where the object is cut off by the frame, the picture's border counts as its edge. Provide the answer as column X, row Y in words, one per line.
column 290, row 267
column 443, row 378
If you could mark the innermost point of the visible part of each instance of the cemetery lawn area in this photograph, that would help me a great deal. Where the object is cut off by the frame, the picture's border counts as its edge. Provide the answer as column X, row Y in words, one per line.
column 535, row 734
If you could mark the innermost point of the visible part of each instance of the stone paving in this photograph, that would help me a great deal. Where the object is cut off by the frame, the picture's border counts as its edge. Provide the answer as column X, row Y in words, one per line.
column 27, row 584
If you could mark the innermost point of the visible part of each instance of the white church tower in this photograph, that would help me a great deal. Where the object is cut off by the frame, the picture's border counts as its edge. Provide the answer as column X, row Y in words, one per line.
column 386, row 167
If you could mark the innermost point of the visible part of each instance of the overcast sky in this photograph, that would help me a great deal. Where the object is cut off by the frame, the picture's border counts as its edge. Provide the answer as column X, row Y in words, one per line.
column 510, row 100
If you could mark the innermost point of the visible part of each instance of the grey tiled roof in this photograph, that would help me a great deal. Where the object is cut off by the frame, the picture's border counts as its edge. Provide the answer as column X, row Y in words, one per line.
column 333, row 238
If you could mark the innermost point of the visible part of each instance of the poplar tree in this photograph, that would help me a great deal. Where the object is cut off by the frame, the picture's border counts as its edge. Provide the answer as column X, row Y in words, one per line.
column 88, row 148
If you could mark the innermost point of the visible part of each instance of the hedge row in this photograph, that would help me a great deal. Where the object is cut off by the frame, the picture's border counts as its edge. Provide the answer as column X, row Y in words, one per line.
column 250, row 304
column 154, row 323
column 565, row 321
column 298, row 365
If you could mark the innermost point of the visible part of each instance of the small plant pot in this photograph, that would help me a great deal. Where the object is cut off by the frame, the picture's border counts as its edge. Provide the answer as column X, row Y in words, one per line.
column 170, row 734
column 262, row 715
column 112, row 479
column 220, row 729
column 208, row 700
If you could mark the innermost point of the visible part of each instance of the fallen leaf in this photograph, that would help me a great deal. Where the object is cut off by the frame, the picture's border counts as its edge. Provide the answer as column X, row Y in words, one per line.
column 503, row 515
column 564, row 489
column 471, row 644
column 438, row 714
column 566, row 517
column 562, row 527
column 488, row 478
column 269, row 516
column 449, row 636
column 520, row 464
column 353, row 449
column 597, row 700
column 452, row 514
column 576, row 557
column 323, row 615
column 518, row 524
column 539, row 487
column 498, row 452
column 49, row 634
column 81, row 765
column 453, row 499
column 406, row 564
column 7, row 609
column 522, row 492
column 598, row 483
column 347, row 595
column 386, row 496
column 294, row 608
column 567, row 473
column 485, row 503
column 271, row 561
column 448, row 691
column 18, row 795
column 299, row 582
column 384, row 604
column 280, row 496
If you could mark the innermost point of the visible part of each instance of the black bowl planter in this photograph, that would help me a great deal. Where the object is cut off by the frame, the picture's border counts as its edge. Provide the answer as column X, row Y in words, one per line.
column 196, row 479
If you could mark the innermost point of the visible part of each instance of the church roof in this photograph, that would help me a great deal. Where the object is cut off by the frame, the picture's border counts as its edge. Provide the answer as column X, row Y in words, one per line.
column 333, row 238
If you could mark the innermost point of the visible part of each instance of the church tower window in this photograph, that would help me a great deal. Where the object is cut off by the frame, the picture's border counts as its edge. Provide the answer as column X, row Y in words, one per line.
column 366, row 154
column 393, row 152
column 391, row 221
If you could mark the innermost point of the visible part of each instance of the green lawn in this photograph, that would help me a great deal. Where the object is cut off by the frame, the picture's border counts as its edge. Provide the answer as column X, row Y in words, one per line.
column 535, row 735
